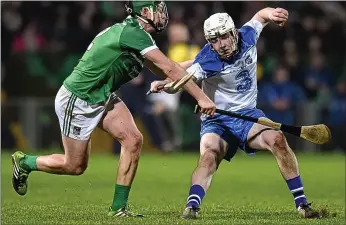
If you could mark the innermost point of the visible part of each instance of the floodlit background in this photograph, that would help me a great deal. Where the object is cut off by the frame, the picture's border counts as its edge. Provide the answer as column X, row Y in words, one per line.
column 302, row 64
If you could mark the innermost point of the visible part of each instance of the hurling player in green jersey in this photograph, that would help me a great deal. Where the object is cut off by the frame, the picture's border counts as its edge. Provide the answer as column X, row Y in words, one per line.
column 86, row 100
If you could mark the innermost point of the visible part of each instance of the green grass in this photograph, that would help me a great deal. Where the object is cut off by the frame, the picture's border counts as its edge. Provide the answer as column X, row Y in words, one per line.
column 250, row 190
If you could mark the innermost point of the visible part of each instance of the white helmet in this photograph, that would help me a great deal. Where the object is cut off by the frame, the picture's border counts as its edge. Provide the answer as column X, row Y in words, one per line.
column 219, row 24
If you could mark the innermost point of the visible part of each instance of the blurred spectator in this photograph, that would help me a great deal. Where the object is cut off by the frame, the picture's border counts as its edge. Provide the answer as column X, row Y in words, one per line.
column 113, row 10
column 182, row 49
column 317, row 76
column 30, row 40
column 178, row 15
column 11, row 22
column 315, row 45
column 165, row 106
column 334, row 10
column 68, row 27
column 260, row 59
column 336, row 117
column 291, row 60
column 200, row 13
column 7, row 138
column 279, row 97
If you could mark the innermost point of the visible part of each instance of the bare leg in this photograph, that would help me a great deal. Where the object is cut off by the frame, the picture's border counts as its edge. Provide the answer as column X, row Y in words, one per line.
column 213, row 148
column 120, row 124
column 75, row 159
column 262, row 138
column 73, row 162
column 275, row 142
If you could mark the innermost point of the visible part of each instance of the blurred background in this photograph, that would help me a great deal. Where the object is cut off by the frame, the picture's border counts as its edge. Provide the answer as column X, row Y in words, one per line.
column 301, row 70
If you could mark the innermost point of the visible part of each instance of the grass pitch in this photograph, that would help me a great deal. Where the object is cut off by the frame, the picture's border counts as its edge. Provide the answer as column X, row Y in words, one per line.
column 249, row 190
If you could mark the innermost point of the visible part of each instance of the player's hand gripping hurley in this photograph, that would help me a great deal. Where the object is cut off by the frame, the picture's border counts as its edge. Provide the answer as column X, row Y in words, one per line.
column 317, row 134
column 175, row 86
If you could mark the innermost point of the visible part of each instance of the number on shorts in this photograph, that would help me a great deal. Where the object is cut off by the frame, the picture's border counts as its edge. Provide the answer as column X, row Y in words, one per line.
column 99, row 34
column 245, row 81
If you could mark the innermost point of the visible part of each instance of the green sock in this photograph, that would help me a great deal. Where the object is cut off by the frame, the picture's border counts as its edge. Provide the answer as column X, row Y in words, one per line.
column 121, row 195
column 29, row 163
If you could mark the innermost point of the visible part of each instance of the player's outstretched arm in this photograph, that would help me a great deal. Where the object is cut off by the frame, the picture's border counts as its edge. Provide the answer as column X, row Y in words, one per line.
column 186, row 64
column 171, row 69
column 266, row 15
column 156, row 70
column 161, row 85
column 153, row 68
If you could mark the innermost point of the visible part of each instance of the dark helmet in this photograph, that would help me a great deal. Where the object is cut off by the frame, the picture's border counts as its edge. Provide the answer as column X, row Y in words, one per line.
column 134, row 8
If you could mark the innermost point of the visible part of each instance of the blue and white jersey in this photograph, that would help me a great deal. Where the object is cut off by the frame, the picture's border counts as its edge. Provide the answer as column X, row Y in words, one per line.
column 231, row 84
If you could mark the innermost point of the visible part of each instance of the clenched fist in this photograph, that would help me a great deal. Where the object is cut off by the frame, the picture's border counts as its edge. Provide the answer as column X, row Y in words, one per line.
column 279, row 16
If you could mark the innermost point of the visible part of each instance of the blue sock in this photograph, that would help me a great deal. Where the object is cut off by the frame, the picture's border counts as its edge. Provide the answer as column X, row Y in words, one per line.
column 296, row 187
column 196, row 195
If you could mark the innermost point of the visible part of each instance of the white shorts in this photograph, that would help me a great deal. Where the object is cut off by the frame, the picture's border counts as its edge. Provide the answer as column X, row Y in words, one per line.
column 77, row 118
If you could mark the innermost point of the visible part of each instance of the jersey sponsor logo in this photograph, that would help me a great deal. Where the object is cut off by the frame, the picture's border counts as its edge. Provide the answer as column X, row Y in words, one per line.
column 240, row 64
column 134, row 72
column 245, row 81
column 136, row 58
column 248, row 59
column 76, row 130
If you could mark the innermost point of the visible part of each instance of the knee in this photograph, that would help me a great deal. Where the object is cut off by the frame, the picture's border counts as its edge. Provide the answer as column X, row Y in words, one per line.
column 76, row 168
column 277, row 141
column 208, row 158
column 133, row 141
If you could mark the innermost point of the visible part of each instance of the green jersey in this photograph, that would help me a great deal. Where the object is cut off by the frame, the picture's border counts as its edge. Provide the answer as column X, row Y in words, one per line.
column 113, row 58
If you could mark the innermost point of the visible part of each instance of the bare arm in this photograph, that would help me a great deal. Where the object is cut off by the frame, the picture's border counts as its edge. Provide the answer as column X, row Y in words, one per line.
column 266, row 15
column 154, row 69
column 186, row 64
column 165, row 66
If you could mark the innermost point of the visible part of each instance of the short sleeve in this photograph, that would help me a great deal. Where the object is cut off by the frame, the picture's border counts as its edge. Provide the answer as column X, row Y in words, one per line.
column 206, row 64
column 252, row 30
column 197, row 71
column 137, row 39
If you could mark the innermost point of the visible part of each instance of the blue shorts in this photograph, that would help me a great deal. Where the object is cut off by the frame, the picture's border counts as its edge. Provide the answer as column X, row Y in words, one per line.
column 233, row 130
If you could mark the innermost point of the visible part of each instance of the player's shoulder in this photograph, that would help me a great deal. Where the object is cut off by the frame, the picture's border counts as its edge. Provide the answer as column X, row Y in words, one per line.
column 208, row 59
column 246, row 35
column 131, row 24
column 207, row 54
column 132, row 30
column 131, row 27
column 249, row 32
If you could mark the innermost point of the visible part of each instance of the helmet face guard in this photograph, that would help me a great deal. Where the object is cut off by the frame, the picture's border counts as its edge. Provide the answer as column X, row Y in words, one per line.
column 233, row 36
column 155, row 7
column 163, row 18
column 218, row 25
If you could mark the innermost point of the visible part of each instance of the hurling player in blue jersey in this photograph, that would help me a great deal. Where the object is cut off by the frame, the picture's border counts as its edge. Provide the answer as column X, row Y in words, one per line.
column 226, row 66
